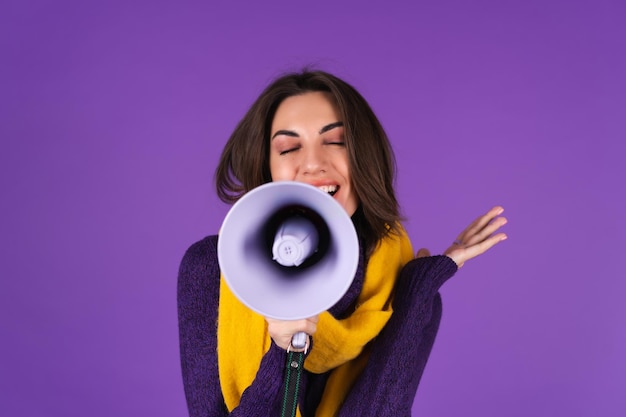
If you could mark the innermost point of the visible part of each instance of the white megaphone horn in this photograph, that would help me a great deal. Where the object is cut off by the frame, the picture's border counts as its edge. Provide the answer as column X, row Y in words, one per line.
column 288, row 251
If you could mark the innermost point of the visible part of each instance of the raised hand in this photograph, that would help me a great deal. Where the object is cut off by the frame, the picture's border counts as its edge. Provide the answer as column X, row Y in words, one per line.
column 478, row 237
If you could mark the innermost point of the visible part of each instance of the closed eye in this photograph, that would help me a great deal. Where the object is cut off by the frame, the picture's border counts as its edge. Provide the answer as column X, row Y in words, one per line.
column 286, row 151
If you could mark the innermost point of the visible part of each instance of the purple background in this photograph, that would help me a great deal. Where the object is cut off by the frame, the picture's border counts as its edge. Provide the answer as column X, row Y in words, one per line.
column 112, row 117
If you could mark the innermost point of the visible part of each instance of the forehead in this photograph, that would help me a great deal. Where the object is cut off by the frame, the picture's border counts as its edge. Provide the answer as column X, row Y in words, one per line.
column 315, row 108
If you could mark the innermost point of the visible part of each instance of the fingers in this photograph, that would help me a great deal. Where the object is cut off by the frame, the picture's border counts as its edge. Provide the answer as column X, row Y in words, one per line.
column 483, row 246
column 281, row 331
column 478, row 237
column 289, row 327
column 482, row 227
column 422, row 253
column 479, row 223
column 462, row 254
column 486, row 231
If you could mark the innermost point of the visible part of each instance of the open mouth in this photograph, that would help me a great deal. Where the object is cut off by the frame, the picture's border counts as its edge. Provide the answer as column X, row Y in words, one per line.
column 329, row 189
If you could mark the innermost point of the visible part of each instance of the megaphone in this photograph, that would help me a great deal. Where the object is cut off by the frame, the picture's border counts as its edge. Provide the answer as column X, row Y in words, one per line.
column 288, row 250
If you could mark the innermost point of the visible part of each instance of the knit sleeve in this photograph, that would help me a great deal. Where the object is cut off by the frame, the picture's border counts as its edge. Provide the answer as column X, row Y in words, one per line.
column 399, row 354
column 198, row 299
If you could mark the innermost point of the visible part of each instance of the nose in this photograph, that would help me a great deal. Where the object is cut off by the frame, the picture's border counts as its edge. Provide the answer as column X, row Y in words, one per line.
column 314, row 161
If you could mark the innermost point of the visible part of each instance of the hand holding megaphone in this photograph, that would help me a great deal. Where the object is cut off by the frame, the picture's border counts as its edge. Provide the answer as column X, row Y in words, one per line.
column 286, row 333
column 283, row 267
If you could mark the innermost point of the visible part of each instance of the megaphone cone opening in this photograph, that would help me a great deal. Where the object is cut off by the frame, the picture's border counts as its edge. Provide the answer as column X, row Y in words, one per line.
column 273, row 290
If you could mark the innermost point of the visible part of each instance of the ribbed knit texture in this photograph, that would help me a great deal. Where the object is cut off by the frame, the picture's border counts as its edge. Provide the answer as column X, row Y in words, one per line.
column 388, row 383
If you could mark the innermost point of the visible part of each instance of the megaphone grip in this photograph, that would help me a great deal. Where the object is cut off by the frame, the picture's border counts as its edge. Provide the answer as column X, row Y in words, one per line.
column 299, row 340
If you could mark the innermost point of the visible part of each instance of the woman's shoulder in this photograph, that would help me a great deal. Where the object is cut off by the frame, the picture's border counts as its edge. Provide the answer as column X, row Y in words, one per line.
column 201, row 252
column 199, row 266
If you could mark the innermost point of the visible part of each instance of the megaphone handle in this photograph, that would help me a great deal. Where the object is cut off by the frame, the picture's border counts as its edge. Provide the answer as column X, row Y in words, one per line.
column 299, row 340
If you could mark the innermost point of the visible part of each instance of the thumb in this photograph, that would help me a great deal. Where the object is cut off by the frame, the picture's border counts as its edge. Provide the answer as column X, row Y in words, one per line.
column 422, row 253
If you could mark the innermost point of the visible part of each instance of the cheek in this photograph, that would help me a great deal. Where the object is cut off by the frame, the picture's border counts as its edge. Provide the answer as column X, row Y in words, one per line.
column 350, row 203
column 343, row 166
column 279, row 170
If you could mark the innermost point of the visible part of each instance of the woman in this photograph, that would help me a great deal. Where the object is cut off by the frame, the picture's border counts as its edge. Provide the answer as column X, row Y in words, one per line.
column 369, row 350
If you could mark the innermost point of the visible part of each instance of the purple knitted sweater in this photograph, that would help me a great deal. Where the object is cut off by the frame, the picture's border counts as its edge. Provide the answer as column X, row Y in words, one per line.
column 388, row 383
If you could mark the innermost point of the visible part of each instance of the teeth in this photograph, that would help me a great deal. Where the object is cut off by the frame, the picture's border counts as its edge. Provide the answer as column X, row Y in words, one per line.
column 329, row 189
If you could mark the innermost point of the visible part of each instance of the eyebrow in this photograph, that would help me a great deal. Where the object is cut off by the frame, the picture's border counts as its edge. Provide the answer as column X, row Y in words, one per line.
column 295, row 135
column 330, row 127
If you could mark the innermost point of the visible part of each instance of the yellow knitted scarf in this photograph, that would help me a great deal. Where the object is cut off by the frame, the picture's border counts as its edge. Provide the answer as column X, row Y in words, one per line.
column 242, row 337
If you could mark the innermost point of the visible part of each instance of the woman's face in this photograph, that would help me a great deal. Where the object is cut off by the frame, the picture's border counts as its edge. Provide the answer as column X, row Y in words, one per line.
column 307, row 145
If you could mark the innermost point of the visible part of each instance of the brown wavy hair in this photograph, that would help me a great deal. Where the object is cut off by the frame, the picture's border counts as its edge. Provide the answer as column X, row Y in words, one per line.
column 244, row 163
